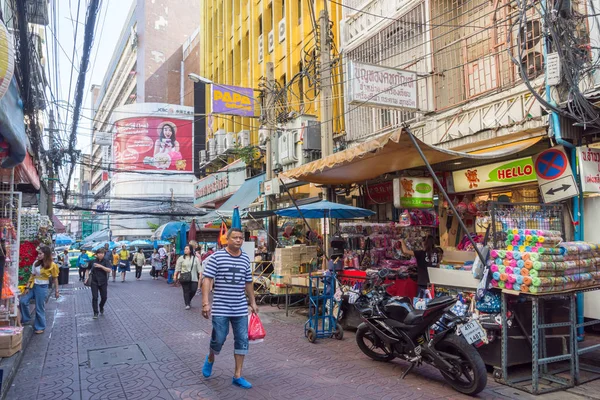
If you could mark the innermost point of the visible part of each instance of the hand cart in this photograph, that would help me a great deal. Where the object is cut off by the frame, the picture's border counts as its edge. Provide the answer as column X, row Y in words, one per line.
column 322, row 311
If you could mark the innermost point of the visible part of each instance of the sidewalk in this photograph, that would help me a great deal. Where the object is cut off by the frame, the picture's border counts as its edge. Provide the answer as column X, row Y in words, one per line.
column 147, row 326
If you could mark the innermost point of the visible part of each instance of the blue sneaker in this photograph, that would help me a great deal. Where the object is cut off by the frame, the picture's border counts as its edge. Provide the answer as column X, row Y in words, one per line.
column 207, row 368
column 241, row 382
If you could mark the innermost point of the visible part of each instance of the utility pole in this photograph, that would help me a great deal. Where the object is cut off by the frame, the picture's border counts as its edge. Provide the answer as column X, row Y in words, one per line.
column 269, row 109
column 51, row 129
column 326, row 87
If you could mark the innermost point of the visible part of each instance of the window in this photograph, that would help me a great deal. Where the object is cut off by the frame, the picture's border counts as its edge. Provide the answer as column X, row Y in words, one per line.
column 260, row 25
column 299, row 12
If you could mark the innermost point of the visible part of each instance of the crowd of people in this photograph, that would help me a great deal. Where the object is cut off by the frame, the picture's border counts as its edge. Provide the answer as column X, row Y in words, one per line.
column 226, row 273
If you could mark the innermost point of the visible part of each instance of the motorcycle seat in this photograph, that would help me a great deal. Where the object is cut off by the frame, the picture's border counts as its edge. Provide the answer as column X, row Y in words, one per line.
column 438, row 301
column 414, row 317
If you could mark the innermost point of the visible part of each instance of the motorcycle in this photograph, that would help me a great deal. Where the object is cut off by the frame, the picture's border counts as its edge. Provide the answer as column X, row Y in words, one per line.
column 393, row 328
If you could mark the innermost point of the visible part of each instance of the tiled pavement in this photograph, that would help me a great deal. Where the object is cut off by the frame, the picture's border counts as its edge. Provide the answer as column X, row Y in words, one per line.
column 151, row 314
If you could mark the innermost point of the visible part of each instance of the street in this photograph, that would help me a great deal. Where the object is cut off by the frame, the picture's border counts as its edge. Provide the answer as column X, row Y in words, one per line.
column 147, row 326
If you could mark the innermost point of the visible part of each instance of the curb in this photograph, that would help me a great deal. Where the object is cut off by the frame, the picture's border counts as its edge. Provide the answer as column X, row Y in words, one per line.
column 10, row 365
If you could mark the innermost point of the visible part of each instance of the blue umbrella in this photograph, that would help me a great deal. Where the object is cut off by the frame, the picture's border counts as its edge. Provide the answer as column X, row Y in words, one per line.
column 63, row 240
column 161, row 243
column 325, row 209
column 236, row 220
column 169, row 230
column 111, row 245
column 140, row 242
column 122, row 242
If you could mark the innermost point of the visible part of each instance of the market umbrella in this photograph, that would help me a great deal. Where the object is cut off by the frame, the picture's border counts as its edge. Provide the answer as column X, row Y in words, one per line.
column 181, row 240
column 140, row 242
column 63, row 240
column 161, row 243
column 111, row 245
column 236, row 220
column 192, row 232
column 325, row 209
column 169, row 230
column 122, row 242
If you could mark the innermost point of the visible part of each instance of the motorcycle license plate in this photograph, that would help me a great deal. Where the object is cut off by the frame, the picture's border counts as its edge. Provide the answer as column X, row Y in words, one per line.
column 473, row 332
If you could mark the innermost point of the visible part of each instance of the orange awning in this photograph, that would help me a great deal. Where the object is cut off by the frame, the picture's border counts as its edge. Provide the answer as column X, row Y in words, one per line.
column 388, row 153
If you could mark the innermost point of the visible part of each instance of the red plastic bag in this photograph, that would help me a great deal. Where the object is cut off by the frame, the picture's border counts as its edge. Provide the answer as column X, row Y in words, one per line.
column 256, row 331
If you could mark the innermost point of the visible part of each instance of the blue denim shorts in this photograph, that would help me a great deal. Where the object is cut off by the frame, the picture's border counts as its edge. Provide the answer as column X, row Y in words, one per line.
column 220, row 331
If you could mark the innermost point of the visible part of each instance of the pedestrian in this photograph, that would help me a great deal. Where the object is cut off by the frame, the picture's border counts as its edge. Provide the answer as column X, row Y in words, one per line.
column 99, row 270
column 124, row 262
column 43, row 269
column 115, row 263
column 428, row 258
column 209, row 253
column 172, row 261
column 82, row 262
column 188, row 267
column 156, row 264
column 65, row 259
column 230, row 273
column 139, row 259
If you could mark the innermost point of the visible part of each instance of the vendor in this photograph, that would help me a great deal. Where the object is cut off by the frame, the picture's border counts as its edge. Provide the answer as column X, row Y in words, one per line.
column 430, row 257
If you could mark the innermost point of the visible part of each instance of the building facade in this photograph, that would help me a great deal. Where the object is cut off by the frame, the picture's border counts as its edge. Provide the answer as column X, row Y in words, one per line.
column 141, row 93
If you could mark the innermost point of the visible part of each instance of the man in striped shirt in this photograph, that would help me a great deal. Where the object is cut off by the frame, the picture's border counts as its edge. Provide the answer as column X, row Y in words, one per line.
column 230, row 271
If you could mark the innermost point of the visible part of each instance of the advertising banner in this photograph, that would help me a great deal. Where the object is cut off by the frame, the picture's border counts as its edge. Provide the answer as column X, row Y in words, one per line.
column 379, row 86
column 232, row 100
column 413, row 192
column 494, row 175
column 161, row 140
column 589, row 169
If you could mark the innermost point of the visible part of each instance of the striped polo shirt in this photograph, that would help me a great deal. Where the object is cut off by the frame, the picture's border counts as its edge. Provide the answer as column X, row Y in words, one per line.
column 230, row 274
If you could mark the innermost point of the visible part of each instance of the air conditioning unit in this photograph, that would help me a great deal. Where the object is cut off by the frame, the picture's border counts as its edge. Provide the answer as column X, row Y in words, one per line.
column 307, row 130
column 287, row 148
column 230, row 141
column 271, row 41
column 220, row 138
column 261, row 49
column 263, row 135
column 282, row 30
column 244, row 138
column 203, row 158
column 212, row 148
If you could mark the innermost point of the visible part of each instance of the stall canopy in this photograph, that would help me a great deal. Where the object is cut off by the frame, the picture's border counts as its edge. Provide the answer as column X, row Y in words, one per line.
column 169, row 230
column 388, row 153
column 100, row 236
column 241, row 199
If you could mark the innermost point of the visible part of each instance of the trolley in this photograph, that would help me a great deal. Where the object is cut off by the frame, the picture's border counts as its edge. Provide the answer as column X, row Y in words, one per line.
column 322, row 311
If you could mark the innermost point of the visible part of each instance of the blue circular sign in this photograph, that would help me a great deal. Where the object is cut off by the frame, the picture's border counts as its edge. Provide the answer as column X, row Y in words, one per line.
column 551, row 164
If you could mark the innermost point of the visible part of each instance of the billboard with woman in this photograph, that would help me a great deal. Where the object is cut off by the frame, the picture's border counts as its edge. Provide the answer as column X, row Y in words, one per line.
column 152, row 136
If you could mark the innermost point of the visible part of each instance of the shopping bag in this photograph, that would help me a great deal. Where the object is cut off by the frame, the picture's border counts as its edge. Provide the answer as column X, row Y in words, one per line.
column 223, row 234
column 256, row 331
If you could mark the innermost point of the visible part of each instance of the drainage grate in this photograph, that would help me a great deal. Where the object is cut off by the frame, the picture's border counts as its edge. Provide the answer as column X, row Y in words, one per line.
column 130, row 354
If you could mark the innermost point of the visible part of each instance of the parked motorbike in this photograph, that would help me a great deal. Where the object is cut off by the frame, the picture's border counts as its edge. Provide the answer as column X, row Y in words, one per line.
column 393, row 328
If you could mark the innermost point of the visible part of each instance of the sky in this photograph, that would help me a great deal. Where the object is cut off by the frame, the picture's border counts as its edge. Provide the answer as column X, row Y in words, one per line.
column 109, row 24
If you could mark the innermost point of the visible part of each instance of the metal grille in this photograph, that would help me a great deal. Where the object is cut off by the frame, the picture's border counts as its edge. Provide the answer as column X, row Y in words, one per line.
column 402, row 44
column 10, row 223
column 507, row 216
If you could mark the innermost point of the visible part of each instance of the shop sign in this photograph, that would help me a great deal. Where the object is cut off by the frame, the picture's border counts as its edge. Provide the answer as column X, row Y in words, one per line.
column 219, row 185
column 554, row 175
column 494, row 175
column 232, row 100
column 413, row 192
column 589, row 169
column 380, row 193
column 378, row 86
column 7, row 59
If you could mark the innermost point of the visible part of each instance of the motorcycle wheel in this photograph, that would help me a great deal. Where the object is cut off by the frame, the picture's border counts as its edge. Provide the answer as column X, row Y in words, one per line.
column 339, row 332
column 371, row 345
column 473, row 375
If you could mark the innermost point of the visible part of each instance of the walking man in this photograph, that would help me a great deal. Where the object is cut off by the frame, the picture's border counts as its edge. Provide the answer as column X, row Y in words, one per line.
column 123, row 262
column 82, row 263
column 229, row 271
column 99, row 268
column 139, row 259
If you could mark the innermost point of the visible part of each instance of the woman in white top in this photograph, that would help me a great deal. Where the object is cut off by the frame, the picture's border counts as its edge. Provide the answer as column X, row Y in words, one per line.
column 188, row 264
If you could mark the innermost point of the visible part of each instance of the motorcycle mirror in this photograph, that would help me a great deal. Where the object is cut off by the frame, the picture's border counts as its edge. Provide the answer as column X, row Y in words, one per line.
column 383, row 273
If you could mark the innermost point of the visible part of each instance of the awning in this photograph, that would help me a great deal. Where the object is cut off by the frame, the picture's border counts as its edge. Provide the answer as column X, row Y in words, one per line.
column 242, row 198
column 25, row 173
column 12, row 127
column 388, row 153
column 59, row 227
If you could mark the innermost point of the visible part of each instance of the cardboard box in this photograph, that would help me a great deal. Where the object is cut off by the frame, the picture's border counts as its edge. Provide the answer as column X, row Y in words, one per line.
column 452, row 278
column 299, row 280
column 458, row 257
column 10, row 344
